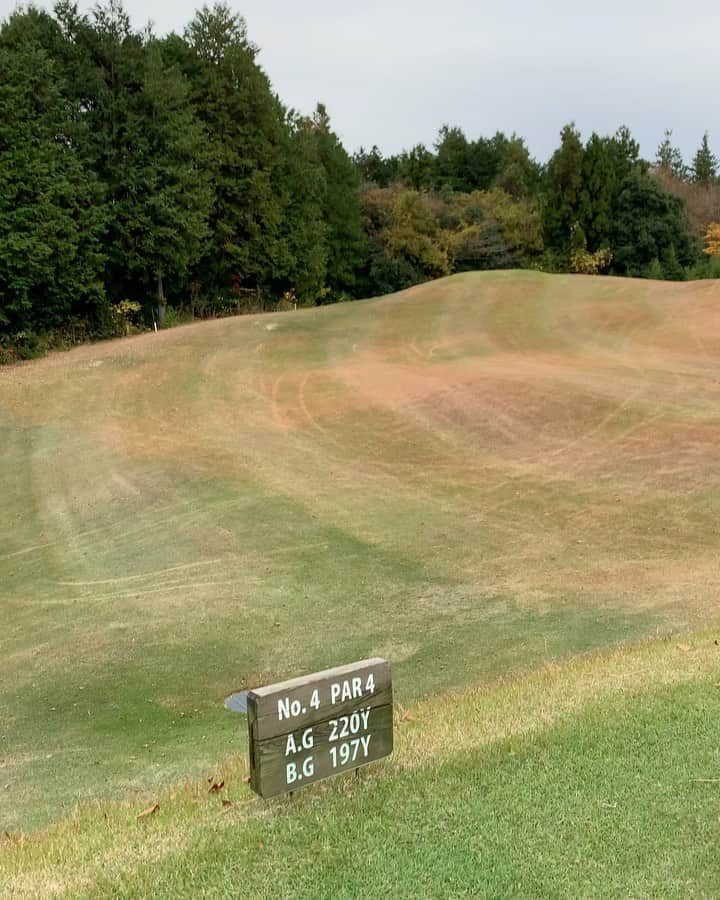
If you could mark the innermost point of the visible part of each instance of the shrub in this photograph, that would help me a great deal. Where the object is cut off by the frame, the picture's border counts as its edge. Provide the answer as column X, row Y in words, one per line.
column 126, row 317
column 22, row 345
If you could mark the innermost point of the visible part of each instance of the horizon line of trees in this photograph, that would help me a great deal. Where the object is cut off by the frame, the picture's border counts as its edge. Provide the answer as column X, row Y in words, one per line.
column 595, row 207
column 145, row 177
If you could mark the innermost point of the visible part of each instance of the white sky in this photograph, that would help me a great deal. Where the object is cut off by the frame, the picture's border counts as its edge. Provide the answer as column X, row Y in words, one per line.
column 392, row 73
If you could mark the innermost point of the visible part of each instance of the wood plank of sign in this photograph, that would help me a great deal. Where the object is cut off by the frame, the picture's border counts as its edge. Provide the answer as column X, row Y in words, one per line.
column 315, row 697
column 308, row 729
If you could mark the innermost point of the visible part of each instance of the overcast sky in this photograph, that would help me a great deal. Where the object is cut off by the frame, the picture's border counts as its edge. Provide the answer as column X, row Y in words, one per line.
column 391, row 73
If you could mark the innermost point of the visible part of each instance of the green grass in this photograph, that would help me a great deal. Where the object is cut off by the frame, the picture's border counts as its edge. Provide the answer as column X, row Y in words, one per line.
column 599, row 778
column 470, row 478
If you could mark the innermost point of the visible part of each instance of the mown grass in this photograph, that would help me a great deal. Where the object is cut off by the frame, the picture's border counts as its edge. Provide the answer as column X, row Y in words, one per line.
column 598, row 778
column 471, row 479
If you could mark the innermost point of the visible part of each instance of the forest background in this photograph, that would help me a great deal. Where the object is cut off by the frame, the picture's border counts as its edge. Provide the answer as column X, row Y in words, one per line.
column 147, row 180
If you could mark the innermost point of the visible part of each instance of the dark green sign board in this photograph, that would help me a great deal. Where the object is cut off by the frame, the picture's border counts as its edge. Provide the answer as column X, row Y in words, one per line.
column 310, row 728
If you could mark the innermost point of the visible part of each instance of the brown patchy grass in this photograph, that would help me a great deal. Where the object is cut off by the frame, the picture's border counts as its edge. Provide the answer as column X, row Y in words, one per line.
column 484, row 472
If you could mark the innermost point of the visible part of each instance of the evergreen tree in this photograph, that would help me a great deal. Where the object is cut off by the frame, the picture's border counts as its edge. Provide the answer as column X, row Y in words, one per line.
column 519, row 175
column 106, row 73
column 671, row 267
column 163, row 214
column 607, row 161
column 303, row 229
column 669, row 158
column 563, row 191
column 705, row 164
column 599, row 191
column 465, row 166
column 246, row 125
column 485, row 161
column 417, row 168
column 649, row 222
column 452, row 161
column 346, row 245
column 150, row 152
column 51, row 218
column 374, row 168
column 389, row 274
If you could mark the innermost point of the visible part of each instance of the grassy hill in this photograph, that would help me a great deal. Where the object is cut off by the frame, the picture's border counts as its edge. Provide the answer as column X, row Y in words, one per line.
column 472, row 478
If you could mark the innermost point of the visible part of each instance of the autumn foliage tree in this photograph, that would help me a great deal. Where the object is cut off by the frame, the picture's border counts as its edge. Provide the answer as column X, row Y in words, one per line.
column 712, row 239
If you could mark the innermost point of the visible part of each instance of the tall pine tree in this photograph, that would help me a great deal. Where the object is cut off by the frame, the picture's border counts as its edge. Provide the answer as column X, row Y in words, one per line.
column 562, row 207
column 705, row 164
column 246, row 125
column 303, row 231
column 669, row 159
column 346, row 243
column 51, row 214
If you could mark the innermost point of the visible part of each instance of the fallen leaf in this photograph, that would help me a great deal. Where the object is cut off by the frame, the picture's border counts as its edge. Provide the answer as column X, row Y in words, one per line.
column 150, row 811
column 684, row 647
column 216, row 786
column 246, row 779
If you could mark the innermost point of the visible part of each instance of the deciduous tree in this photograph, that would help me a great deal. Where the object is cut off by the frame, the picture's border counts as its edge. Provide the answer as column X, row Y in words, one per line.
column 712, row 239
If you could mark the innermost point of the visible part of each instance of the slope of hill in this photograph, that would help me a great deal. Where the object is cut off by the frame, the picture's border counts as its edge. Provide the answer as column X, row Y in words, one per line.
column 594, row 778
column 471, row 478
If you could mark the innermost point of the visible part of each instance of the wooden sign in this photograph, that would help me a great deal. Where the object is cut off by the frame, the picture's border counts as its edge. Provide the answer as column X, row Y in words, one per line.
column 307, row 729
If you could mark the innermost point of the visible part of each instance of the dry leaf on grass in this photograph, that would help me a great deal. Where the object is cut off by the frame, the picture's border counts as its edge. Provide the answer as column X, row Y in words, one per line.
column 216, row 786
column 150, row 811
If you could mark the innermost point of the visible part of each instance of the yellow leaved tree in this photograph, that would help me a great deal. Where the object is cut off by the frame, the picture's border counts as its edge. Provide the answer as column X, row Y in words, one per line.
column 712, row 239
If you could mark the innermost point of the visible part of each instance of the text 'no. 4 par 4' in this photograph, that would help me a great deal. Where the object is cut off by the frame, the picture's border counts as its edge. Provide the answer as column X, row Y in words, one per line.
column 310, row 728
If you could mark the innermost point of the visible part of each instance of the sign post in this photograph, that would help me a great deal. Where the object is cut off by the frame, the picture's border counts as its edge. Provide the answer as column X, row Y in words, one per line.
column 310, row 728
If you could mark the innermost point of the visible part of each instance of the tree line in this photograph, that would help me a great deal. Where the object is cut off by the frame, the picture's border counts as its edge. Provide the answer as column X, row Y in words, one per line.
column 595, row 207
column 146, row 177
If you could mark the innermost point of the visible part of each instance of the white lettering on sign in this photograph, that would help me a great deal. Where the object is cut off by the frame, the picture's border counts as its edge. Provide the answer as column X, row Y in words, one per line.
column 340, row 692
column 288, row 708
column 307, row 770
column 342, row 754
column 306, row 742
column 351, row 689
column 346, row 725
